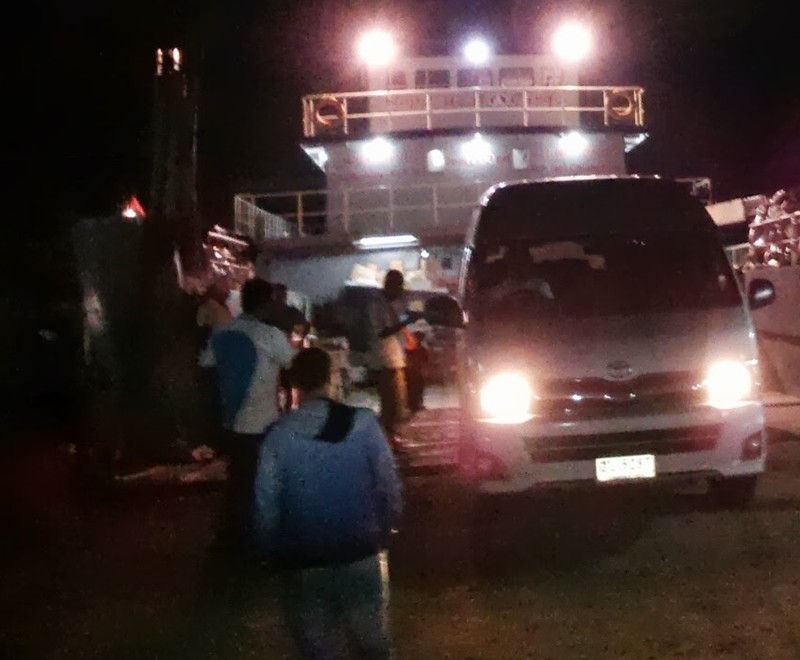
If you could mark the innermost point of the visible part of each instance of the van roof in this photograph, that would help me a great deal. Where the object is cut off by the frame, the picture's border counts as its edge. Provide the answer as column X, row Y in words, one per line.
column 573, row 178
column 584, row 205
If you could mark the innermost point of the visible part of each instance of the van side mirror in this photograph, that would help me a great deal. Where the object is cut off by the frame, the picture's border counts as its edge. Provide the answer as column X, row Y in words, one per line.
column 760, row 293
column 444, row 311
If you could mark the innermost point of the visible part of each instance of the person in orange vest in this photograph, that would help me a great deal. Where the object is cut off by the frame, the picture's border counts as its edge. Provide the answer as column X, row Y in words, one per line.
column 416, row 359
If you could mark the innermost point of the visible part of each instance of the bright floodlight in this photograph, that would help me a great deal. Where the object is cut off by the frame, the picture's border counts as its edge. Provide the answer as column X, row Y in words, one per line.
column 572, row 42
column 376, row 48
column 377, row 151
column 477, row 151
column 477, row 51
column 436, row 160
column 573, row 144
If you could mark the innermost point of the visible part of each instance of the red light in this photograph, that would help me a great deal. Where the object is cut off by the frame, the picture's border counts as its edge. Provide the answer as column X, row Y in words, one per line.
column 133, row 209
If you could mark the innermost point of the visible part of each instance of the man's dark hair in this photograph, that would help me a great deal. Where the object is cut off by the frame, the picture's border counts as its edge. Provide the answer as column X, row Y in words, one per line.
column 280, row 292
column 393, row 284
column 255, row 293
column 311, row 369
column 393, row 278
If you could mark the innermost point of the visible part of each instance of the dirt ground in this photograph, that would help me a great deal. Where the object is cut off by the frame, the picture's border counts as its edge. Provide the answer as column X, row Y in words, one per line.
column 619, row 575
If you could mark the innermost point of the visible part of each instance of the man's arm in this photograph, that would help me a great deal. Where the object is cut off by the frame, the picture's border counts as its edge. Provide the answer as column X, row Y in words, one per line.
column 283, row 350
column 299, row 320
column 207, row 358
column 390, row 330
column 276, row 345
column 266, row 509
column 388, row 490
column 382, row 324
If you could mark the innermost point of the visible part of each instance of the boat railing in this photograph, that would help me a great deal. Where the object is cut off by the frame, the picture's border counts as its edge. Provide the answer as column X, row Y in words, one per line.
column 378, row 209
column 355, row 113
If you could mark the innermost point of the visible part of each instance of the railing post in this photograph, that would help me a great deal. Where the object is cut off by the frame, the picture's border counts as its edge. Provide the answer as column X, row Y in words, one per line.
column 391, row 207
column 525, row 107
column 428, row 118
column 300, row 227
column 640, row 106
column 435, row 206
column 605, row 106
column 477, row 109
column 311, row 117
column 346, row 210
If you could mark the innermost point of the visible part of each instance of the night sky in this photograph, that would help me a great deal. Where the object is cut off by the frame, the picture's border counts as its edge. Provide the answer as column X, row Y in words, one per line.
column 722, row 80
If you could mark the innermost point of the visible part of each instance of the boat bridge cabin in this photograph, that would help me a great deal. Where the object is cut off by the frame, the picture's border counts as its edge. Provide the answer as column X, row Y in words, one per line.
column 414, row 151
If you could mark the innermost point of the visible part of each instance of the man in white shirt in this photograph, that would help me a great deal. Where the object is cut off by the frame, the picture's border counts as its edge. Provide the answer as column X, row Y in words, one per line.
column 387, row 324
column 248, row 356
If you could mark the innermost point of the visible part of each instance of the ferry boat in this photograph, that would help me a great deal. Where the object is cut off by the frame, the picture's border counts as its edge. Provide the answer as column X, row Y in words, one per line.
column 407, row 158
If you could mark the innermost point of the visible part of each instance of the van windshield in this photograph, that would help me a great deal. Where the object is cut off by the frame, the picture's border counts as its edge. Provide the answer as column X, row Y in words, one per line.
column 595, row 276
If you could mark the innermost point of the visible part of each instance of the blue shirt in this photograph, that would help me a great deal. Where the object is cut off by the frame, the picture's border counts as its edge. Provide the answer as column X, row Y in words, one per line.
column 319, row 502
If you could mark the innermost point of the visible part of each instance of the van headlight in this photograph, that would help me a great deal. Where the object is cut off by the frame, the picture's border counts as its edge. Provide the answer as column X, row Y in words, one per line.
column 505, row 398
column 728, row 383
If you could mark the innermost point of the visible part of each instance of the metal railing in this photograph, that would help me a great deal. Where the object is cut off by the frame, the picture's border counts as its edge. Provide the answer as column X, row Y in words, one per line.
column 347, row 113
column 253, row 221
column 737, row 254
column 775, row 240
column 368, row 209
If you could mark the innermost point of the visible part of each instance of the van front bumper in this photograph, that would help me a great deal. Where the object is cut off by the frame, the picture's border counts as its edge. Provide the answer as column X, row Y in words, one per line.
column 701, row 441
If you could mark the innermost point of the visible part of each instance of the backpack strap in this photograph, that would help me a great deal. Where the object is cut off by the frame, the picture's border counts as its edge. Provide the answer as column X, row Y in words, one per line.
column 338, row 423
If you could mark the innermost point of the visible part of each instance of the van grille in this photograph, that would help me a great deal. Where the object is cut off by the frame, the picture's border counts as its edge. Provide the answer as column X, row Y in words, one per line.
column 592, row 398
column 661, row 442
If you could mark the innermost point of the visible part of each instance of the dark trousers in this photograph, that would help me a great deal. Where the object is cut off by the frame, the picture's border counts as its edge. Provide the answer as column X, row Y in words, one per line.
column 242, row 451
column 393, row 394
column 212, row 432
column 333, row 610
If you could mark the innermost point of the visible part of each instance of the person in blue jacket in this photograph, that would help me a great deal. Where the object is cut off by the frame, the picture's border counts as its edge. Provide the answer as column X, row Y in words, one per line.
column 327, row 496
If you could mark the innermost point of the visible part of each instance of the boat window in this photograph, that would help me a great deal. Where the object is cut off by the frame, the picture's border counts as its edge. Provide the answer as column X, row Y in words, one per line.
column 398, row 80
column 548, row 77
column 516, row 76
column 432, row 78
column 474, row 78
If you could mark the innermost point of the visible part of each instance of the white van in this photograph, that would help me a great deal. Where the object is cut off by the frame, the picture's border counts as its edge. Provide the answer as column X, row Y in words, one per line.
column 606, row 339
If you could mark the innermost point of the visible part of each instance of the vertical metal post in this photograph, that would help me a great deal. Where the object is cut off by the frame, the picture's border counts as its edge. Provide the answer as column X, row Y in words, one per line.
column 640, row 98
column 346, row 120
column 346, row 210
column 525, row 107
column 428, row 118
column 435, row 205
column 300, row 224
column 477, row 100
column 391, row 207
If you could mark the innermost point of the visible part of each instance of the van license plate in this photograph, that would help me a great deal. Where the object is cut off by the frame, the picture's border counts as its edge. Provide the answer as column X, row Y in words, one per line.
column 617, row 468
